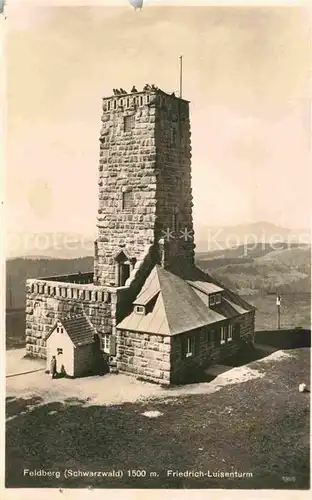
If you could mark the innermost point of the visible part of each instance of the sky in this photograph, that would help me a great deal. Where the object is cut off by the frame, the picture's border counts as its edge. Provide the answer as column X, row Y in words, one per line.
column 246, row 74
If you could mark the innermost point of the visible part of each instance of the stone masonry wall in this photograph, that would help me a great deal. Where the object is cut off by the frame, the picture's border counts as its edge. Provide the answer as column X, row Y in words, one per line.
column 143, row 355
column 150, row 159
column 127, row 164
column 174, row 191
column 208, row 347
column 47, row 301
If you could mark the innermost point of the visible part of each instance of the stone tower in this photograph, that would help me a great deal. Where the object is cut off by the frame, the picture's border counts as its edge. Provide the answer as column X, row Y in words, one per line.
column 144, row 183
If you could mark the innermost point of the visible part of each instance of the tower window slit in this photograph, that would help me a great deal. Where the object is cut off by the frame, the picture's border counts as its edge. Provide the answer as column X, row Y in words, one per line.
column 127, row 200
column 128, row 123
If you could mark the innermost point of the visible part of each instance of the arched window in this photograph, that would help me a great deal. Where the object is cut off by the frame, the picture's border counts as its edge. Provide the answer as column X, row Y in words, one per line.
column 37, row 310
column 123, row 268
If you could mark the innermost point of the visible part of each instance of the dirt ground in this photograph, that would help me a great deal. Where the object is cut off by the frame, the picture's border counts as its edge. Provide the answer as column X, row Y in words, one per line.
column 108, row 389
column 249, row 419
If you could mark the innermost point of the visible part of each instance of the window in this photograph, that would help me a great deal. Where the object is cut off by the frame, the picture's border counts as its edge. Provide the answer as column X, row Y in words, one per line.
column 105, row 343
column 128, row 102
column 189, row 347
column 212, row 300
column 175, row 222
column 213, row 338
column 37, row 310
column 173, row 137
column 210, row 338
column 60, row 329
column 128, row 123
column 127, row 200
column 140, row 309
column 141, row 100
column 59, row 351
column 236, row 332
column 223, row 334
column 230, row 333
column 218, row 298
column 123, row 273
column 115, row 104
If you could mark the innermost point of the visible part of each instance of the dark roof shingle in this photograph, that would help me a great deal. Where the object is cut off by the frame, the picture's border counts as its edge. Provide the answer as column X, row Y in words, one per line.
column 79, row 329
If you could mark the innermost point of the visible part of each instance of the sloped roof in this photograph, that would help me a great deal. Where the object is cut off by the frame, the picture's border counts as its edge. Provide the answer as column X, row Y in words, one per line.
column 150, row 288
column 192, row 273
column 205, row 287
column 178, row 308
column 79, row 329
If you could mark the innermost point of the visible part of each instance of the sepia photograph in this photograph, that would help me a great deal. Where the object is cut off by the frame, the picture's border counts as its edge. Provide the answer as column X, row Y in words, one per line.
column 157, row 245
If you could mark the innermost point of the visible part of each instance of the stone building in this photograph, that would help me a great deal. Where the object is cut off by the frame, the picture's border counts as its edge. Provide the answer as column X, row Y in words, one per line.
column 153, row 312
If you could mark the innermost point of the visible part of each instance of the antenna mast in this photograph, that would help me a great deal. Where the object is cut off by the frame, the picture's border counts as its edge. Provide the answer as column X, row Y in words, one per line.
column 181, row 74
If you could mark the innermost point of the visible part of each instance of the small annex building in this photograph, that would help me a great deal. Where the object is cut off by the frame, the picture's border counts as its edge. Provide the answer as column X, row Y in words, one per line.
column 72, row 341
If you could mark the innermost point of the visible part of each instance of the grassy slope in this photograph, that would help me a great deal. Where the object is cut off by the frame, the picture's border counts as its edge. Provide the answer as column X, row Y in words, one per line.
column 259, row 426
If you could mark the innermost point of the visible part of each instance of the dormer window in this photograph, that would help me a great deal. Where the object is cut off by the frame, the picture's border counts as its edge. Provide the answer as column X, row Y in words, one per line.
column 215, row 299
column 140, row 309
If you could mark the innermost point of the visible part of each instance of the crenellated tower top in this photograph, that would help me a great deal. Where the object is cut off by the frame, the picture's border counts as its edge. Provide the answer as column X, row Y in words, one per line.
column 122, row 100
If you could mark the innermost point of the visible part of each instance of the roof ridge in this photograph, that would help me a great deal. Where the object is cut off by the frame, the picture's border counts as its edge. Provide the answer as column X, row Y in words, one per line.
column 165, row 272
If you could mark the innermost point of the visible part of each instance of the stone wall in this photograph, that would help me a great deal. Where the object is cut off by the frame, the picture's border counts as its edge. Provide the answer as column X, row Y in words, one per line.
column 208, row 349
column 127, row 164
column 160, row 359
column 143, row 355
column 47, row 301
column 151, row 160
column 84, row 360
column 174, row 191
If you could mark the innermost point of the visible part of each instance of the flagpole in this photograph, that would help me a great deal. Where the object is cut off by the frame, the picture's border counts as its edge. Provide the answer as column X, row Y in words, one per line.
column 181, row 74
column 278, row 304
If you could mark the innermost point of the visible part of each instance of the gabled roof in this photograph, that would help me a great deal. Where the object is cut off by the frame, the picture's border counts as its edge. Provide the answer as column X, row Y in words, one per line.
column 178, row 308
column 79, row 329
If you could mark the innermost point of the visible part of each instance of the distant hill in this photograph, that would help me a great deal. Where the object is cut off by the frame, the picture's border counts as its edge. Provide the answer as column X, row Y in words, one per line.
column 209, row 238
